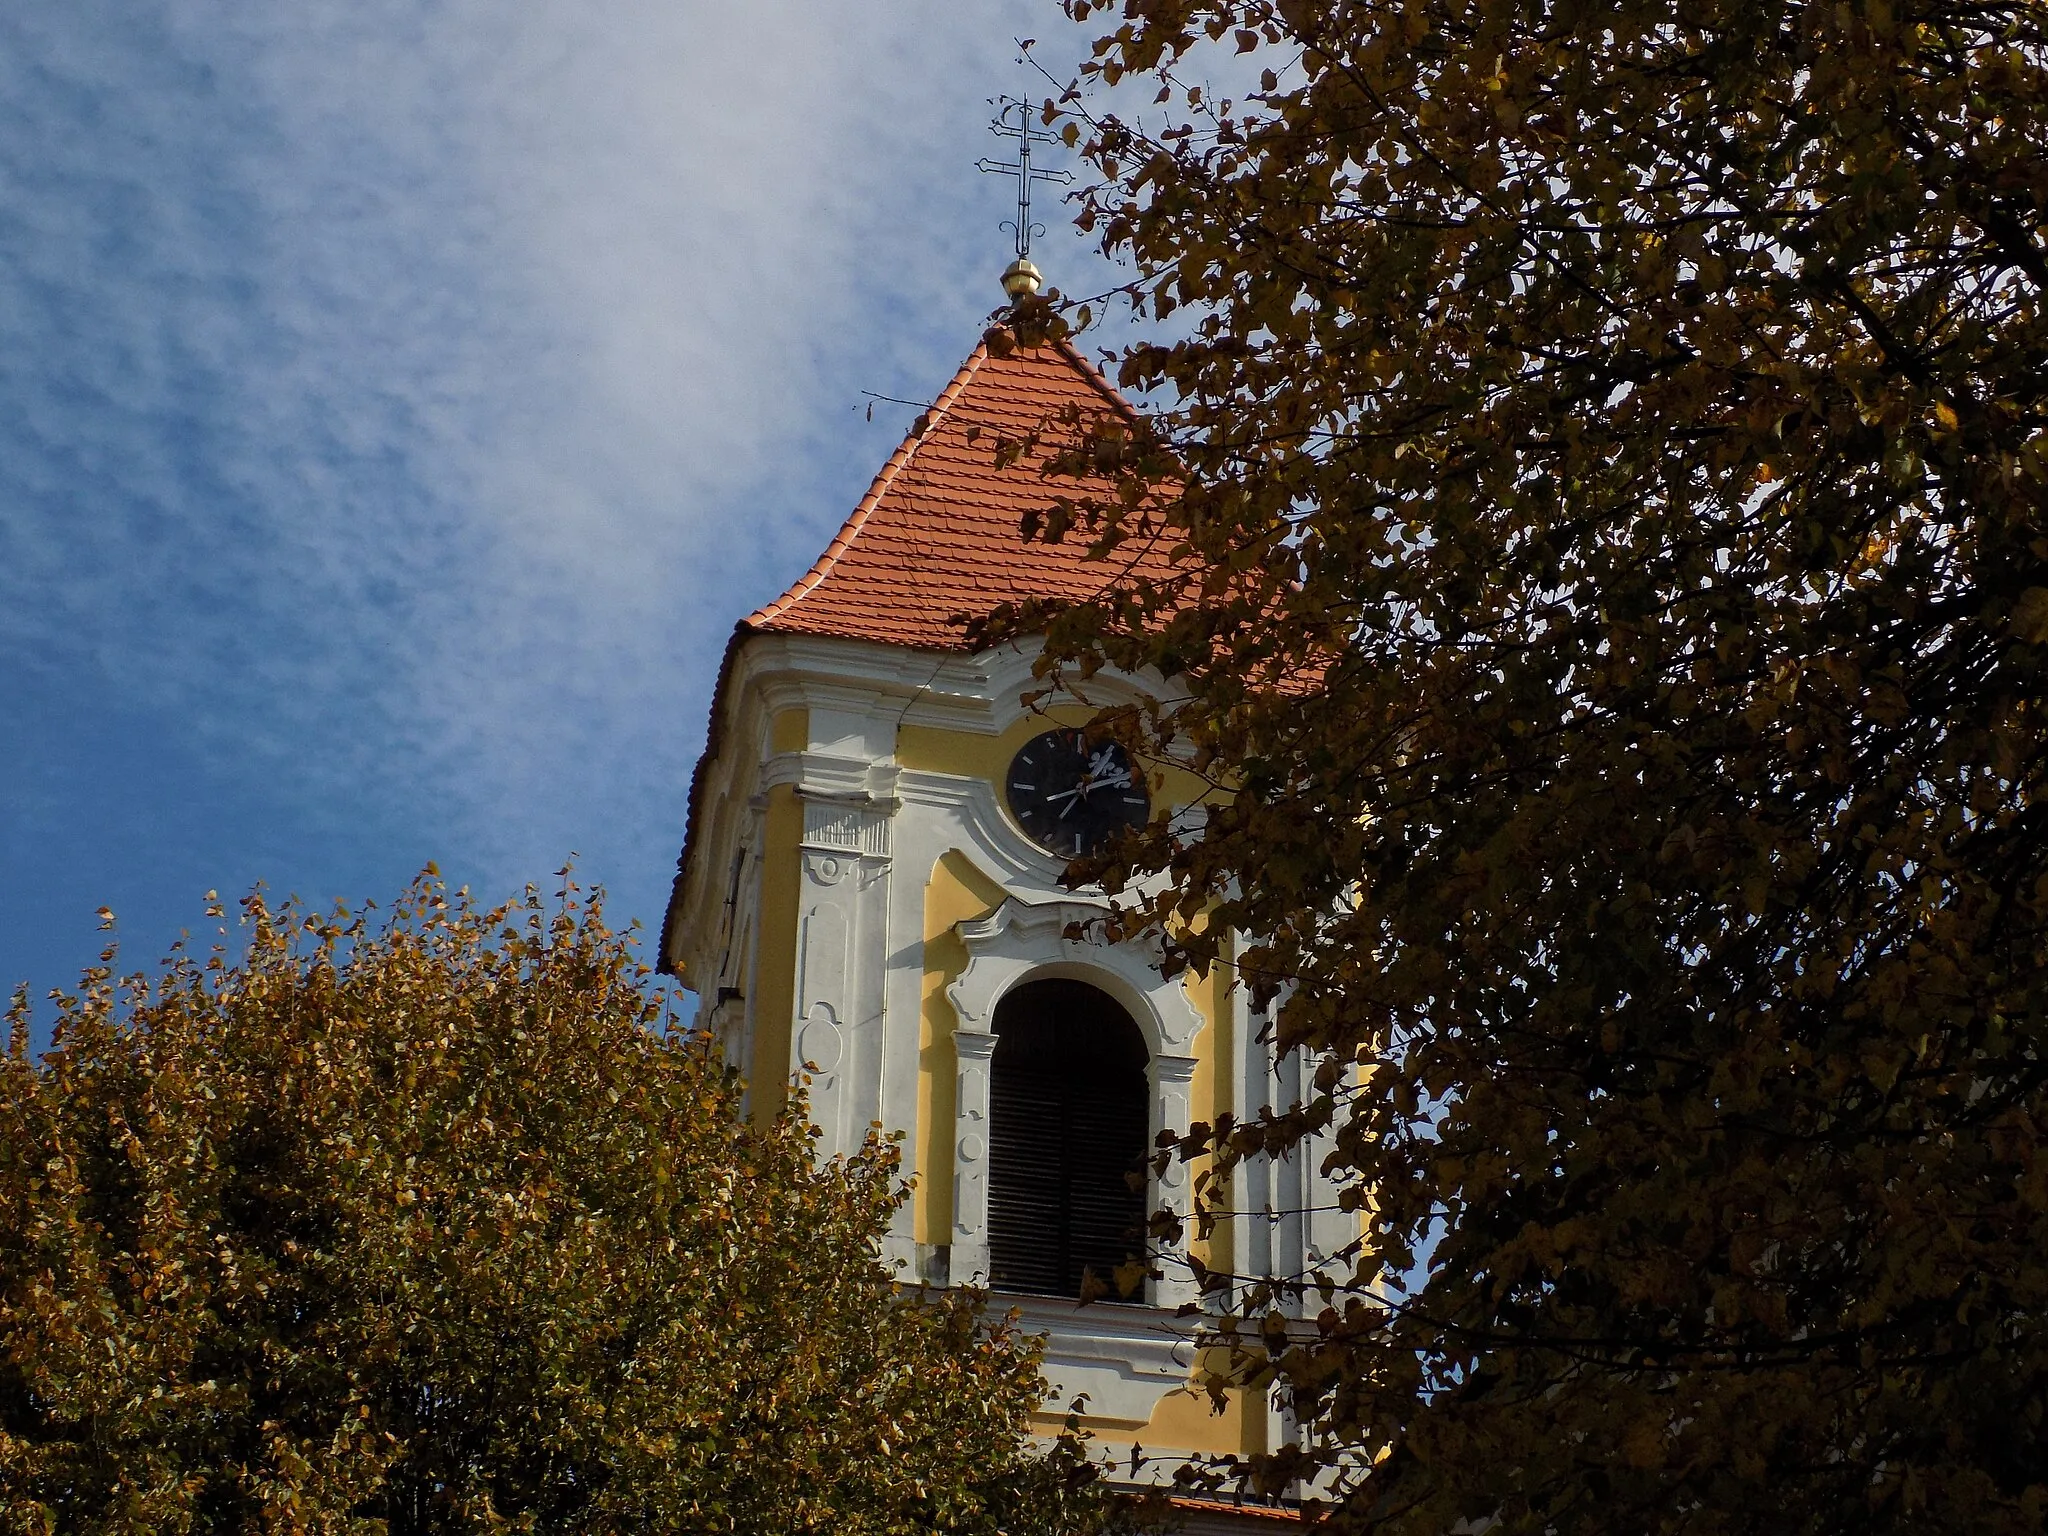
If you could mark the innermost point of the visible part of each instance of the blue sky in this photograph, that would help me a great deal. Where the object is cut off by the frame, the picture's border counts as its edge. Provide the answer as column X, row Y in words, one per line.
column 401, row 399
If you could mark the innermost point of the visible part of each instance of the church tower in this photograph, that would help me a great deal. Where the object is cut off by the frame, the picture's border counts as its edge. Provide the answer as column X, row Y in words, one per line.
column 871, row 885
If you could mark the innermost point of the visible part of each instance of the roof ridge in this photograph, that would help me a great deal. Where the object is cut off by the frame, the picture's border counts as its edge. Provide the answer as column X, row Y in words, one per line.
column 1097, row 377
column 850, row 529
column 938, row 529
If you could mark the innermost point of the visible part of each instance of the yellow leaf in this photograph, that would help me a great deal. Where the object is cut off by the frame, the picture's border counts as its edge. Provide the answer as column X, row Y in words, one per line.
column 2030, row 616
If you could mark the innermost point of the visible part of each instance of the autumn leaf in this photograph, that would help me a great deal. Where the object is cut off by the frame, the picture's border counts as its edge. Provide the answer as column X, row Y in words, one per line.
column 437, row 1224
column 1610, row 446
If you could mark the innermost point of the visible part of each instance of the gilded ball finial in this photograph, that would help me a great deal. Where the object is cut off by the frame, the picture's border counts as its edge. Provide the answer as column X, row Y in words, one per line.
column 1021, row 279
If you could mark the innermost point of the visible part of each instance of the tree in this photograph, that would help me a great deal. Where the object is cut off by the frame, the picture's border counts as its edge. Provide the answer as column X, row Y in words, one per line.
column 426, row 1225
column 1606, row 448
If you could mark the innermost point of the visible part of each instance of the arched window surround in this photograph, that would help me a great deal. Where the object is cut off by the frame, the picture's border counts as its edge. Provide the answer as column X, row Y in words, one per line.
column 1028, row 941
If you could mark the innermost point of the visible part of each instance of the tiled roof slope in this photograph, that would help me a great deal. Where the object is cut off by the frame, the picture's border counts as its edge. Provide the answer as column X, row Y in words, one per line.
column 938, row 534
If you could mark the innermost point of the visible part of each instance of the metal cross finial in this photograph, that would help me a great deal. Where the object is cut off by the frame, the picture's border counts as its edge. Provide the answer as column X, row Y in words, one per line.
column 1025, row 172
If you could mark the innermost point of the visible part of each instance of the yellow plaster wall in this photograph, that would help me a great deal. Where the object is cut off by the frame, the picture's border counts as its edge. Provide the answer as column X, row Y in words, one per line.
column 1184, row 1421
column 933, row 749
column 790, row 731
column 1188, row 1421
column 774, row 1001
column 956, row 892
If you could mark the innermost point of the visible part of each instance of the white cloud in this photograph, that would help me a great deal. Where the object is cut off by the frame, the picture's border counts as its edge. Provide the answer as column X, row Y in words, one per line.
column 409, row 396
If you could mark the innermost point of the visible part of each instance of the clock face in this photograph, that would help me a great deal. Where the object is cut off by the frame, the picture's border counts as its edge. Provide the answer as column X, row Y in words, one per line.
column 1072, row 794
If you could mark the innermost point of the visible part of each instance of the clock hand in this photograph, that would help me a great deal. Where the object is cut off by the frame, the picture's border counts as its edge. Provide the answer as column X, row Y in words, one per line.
column 1114, row 779
column 1094, row 781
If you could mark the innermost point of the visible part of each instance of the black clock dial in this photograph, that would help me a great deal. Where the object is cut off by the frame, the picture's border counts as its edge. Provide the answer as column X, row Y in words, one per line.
column 1073, row 794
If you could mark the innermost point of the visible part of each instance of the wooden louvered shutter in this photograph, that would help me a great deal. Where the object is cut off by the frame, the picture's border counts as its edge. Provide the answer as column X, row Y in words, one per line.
column 1026, row 1197
column 1067, row 1118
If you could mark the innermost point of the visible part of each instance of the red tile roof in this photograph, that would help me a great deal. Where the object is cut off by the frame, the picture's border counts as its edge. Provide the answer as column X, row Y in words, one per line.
column 938, row 536
column 1287, row 1512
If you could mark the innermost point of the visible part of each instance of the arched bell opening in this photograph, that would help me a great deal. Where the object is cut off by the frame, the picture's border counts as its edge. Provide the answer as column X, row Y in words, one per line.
column 1068, row 1116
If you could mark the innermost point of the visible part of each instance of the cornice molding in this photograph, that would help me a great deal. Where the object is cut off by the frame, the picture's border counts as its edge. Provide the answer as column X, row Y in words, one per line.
column 1002, row 851
column 1124, row 1357
column 1023, row 939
